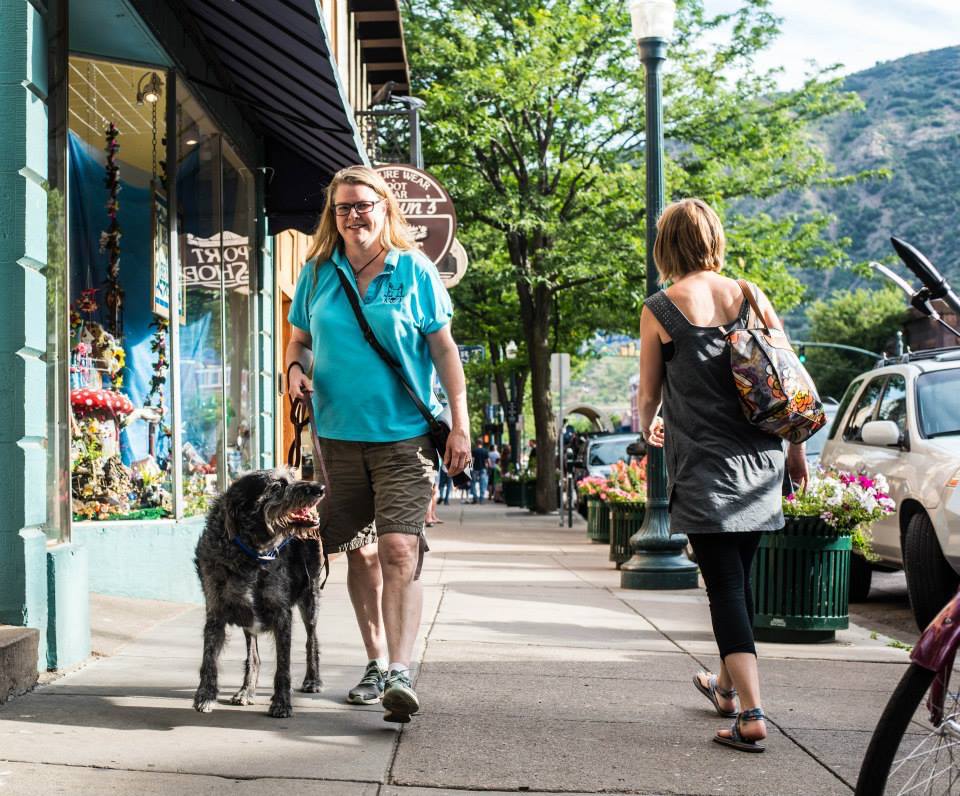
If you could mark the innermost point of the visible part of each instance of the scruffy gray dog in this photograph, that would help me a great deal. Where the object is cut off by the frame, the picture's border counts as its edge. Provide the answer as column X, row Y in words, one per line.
column 258, row 556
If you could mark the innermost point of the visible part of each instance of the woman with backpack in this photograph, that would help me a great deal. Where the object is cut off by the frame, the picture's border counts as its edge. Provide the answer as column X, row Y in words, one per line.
column 724, row 473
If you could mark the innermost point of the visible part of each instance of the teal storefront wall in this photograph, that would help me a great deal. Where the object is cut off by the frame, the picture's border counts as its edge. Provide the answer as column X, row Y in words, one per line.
column 23, row 254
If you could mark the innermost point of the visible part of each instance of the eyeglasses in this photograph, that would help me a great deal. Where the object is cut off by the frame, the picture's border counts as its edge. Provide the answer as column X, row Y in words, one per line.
column 362, row 208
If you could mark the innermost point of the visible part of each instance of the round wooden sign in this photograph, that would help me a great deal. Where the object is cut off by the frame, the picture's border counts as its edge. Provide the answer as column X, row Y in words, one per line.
column 454, row 265
column 427, row 207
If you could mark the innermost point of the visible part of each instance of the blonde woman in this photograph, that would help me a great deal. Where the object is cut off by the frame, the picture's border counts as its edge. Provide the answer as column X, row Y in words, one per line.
column 724, row 475
column 379, row 460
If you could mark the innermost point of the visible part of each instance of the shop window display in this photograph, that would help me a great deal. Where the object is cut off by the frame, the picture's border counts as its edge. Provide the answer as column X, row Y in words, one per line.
column 119, row 421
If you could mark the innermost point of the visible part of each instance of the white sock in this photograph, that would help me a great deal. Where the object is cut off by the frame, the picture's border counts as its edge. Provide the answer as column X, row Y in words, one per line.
column 381, row 663
column 400, row 668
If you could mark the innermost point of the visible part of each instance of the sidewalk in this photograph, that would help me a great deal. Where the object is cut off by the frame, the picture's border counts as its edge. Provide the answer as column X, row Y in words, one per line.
column 537, row 674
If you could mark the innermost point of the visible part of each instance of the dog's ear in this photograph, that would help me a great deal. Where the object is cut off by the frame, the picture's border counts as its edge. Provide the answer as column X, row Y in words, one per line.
column 272, row 492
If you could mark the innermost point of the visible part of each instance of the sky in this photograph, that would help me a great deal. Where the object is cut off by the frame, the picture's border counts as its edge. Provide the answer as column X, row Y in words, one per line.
column 856, row 33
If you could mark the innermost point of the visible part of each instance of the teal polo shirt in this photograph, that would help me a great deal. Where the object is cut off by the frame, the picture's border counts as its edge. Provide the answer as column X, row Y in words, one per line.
column 355, row 394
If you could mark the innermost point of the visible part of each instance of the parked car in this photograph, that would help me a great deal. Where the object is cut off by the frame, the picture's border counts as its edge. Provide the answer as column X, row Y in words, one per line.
column 814, row 446
column 597, row 453
column 903, row 420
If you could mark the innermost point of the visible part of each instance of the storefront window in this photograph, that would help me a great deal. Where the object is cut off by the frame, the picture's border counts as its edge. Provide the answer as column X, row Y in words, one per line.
column 217, row 224
column 118, row 253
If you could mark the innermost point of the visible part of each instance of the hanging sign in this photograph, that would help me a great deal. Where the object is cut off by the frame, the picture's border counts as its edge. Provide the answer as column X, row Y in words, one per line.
column 161, row 256
column 427, row 207
column 454, row 265
column 204, row 262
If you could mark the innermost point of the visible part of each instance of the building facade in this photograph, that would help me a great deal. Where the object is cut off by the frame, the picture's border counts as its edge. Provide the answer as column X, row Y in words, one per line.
column 153, row 155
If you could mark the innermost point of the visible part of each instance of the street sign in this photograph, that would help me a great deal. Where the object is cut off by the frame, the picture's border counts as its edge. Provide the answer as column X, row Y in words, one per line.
column 559, row 372
column 427, row 207
column 471, row 353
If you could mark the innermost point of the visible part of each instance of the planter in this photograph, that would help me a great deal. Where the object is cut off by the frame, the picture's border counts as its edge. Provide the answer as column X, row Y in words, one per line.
column 625, row 521
column 598, row 522
column 801, row 582
column 512, row 494
column 530, row 496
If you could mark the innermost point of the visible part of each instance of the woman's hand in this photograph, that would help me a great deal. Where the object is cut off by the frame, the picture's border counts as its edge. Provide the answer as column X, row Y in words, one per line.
column 653, row 435
column 797, row 467
column 298, row 382
column 457, row 455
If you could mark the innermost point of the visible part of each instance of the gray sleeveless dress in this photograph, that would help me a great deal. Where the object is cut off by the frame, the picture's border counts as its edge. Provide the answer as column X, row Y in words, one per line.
column 723, row 474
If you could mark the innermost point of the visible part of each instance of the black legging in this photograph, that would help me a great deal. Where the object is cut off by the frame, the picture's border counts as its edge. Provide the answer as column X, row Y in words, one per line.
column 725, row 560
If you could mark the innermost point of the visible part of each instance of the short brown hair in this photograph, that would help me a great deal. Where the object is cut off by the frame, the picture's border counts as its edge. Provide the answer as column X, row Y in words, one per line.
column 689, row 238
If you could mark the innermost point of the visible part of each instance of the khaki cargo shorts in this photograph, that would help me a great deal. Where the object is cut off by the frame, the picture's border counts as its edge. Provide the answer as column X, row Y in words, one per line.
column 375, row 488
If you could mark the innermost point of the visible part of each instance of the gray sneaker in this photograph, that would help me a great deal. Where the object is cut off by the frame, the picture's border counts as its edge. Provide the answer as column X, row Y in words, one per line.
column 370, row 688
column 399, row 699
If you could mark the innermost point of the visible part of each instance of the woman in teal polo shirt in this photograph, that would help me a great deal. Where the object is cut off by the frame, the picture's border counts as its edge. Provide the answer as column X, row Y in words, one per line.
column 379, row 460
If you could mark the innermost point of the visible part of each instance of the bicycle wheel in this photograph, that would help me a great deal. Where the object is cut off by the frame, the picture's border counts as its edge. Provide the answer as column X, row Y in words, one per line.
column 908, row 754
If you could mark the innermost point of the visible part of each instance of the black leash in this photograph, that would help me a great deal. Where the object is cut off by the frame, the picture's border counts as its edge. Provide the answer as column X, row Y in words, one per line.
column 301, row 415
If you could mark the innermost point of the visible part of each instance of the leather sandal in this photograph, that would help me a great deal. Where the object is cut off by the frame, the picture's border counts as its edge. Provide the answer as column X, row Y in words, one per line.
column 736, row 740
column 711, row 690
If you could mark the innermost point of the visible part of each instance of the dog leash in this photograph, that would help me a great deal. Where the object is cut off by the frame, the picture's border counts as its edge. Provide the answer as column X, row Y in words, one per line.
column 301, row 416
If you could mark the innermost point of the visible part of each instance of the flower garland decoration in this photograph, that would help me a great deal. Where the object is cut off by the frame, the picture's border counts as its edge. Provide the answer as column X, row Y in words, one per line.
column 110, row 238
column 155, row 397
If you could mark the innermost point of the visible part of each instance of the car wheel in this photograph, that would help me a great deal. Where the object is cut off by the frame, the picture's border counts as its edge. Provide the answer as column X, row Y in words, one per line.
column 861, row 575
column 931, row 581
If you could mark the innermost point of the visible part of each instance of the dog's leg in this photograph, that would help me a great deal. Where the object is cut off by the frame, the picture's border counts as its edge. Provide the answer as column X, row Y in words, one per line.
column 309, row 608
column 281, row 706
column 251, row 672
column 214, row 635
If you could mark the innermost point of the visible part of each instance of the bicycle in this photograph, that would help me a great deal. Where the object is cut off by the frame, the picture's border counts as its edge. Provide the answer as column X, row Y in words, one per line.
column 930, row 758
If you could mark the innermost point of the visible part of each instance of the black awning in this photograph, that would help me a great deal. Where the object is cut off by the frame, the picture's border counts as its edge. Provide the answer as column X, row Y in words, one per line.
column 282, row 74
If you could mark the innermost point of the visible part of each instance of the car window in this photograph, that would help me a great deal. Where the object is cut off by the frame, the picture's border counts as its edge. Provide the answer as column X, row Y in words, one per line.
column 864, row 409
column 842, row 409
column 893, row 405
column 938, row 409
column 608, row 452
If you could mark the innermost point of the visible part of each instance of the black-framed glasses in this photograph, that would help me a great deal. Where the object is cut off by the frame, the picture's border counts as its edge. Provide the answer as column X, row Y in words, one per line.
column 362, row 208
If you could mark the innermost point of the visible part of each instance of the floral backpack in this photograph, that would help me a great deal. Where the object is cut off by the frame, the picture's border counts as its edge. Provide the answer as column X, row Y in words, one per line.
column 776, row 393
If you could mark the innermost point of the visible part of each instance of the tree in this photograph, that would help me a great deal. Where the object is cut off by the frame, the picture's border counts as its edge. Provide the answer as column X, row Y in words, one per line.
column 535, row 125
column 863, row 318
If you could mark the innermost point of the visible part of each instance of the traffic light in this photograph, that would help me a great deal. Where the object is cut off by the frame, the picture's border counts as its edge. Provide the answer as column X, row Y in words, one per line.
column 802, row 354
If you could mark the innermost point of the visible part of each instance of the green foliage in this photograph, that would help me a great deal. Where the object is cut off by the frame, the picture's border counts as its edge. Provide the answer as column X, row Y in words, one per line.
column 864, row 318
column 535, row 123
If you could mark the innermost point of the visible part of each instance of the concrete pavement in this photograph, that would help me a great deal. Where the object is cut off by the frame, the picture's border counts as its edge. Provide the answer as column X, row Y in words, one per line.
column 537, row 673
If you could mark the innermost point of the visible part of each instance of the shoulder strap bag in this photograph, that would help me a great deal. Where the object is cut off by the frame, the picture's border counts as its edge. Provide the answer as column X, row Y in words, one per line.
column 776, row 393
column 439, row 426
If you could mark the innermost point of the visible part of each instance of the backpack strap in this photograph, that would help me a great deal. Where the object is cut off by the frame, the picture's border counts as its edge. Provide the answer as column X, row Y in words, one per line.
column 667, row 313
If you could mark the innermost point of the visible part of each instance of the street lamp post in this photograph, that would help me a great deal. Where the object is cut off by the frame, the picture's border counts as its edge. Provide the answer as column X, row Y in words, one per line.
column 658, row 560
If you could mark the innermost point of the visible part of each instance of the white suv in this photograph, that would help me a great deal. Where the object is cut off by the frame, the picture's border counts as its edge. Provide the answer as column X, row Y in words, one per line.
column 903, row 420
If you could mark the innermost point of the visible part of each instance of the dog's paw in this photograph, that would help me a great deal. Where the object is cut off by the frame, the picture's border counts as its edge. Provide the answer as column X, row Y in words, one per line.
column 204, row 704
column 311, row 686
column 280, row 709
column 243, row 697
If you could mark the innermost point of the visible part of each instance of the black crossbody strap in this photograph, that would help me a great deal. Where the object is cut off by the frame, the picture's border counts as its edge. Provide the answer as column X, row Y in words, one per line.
column 371, row 338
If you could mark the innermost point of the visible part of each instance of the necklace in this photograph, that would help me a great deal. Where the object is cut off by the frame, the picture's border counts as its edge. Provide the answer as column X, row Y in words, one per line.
column 358, row 271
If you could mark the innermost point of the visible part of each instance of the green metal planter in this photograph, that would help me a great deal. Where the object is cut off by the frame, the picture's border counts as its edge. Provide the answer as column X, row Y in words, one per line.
column 625, row 521
column 801, row 582
column 512, row 493
column 598, row 521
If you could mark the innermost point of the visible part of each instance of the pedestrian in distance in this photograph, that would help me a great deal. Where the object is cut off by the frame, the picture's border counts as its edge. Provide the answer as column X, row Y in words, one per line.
column 373, row 437
column 724, row 474
column 446, row 484
column 493, row 456
column 481, row 464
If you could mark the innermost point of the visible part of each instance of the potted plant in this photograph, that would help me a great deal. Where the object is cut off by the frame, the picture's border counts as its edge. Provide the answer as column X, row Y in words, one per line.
column 592, row 490
column 627, row 498
column 517, row 488
column 801, row 576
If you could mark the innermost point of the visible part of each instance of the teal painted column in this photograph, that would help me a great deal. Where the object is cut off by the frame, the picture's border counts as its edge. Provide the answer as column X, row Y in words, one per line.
column 23, row 255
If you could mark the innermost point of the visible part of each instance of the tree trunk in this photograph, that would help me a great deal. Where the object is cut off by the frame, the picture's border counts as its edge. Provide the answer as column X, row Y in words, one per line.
column 535, row 309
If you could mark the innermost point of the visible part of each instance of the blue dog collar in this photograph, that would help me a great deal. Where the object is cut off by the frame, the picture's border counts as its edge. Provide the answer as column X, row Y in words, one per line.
column 262, row 558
